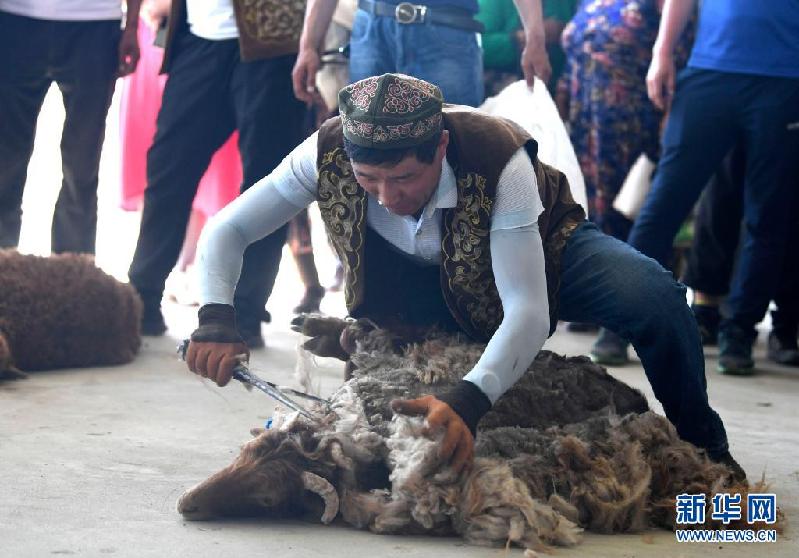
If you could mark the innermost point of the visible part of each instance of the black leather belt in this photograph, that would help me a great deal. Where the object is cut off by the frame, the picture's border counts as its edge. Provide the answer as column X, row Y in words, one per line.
column 408, row 13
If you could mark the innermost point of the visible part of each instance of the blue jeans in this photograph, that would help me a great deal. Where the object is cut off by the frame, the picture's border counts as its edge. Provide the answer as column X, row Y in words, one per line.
column 711, row 112
column 605, row 281
column 448, row 57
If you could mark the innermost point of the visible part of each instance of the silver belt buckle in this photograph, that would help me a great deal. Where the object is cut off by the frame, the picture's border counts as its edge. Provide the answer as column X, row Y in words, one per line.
column 405, row 12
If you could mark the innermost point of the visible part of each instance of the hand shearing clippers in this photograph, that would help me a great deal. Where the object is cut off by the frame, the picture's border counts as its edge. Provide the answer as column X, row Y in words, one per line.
column 242, row 373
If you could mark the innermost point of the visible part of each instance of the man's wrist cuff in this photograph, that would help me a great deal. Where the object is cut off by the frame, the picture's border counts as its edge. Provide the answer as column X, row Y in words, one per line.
column 217, row 324
column 469, row 402
column 217, row 314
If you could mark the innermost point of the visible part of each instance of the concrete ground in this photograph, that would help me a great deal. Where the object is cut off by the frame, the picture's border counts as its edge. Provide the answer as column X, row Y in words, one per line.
column 92, row 461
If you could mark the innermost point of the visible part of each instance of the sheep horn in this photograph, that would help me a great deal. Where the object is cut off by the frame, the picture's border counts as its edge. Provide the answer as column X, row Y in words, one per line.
column 322, row 487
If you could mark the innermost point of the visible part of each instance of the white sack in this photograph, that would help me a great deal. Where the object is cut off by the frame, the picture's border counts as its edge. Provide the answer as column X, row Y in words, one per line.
column 535, row 111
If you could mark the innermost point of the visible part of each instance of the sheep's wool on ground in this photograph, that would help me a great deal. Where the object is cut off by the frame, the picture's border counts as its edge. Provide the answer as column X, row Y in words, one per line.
column 567, row 448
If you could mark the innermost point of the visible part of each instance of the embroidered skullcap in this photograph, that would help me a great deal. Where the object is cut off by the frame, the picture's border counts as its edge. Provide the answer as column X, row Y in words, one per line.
column 390, row 111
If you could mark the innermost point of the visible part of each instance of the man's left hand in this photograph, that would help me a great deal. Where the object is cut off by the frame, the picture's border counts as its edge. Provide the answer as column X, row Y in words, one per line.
column 128, row 52
column 457, row 447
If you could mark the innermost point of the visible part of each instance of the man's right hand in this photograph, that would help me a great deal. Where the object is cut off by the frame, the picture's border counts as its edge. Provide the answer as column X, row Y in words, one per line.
column 215, row 361
column 303, row 76
column 660, row 80
column 215, row 346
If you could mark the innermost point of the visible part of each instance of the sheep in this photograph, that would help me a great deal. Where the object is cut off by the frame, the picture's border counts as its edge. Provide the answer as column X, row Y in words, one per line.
column 62, row 311
column 567, row 448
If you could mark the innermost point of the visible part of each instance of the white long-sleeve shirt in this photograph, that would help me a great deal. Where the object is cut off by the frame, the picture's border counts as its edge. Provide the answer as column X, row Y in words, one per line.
column 517, row 255
column 64, row 10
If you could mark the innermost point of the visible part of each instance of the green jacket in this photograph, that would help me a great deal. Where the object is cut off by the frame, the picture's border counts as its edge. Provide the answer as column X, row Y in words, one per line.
column 501, row 20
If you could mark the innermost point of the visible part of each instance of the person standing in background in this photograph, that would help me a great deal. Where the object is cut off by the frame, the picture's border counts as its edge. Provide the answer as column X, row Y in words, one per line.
column 79, row 45
column 741, row 84
column 436, row 41
column 229, row 64
column 611, row 120
column 504, row 40
column 139, row 103
column 710, row 262
column 331, row 77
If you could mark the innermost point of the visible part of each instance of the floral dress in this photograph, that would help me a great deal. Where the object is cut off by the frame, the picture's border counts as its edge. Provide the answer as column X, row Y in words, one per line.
column 608, row 48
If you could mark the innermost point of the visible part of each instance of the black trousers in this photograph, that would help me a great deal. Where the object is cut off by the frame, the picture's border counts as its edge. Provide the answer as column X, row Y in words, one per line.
column 711, row 112
column 717, row 232
column 399, row 292
column 210, row 93
column 81, row 58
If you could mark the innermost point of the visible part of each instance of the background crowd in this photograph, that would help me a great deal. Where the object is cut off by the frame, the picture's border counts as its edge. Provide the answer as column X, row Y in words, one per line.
column 690, row 107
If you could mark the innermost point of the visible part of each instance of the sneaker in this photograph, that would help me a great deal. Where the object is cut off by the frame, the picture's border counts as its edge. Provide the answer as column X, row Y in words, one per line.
column 735, row 352
column 707, row 320
column 782, row 348
column 310, row 301
column 725, row 458
column 152, row 321
column 609, row 349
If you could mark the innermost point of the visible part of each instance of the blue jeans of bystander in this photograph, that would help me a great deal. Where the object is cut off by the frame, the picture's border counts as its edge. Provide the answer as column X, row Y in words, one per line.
column 448, row 57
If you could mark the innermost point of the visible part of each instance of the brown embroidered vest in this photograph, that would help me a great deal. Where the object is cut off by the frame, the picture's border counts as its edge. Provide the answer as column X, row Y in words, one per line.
column 480, row 147
column 267, row 28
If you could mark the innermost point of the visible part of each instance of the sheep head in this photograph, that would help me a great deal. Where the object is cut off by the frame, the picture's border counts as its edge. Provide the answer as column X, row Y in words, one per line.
column 269, row 477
